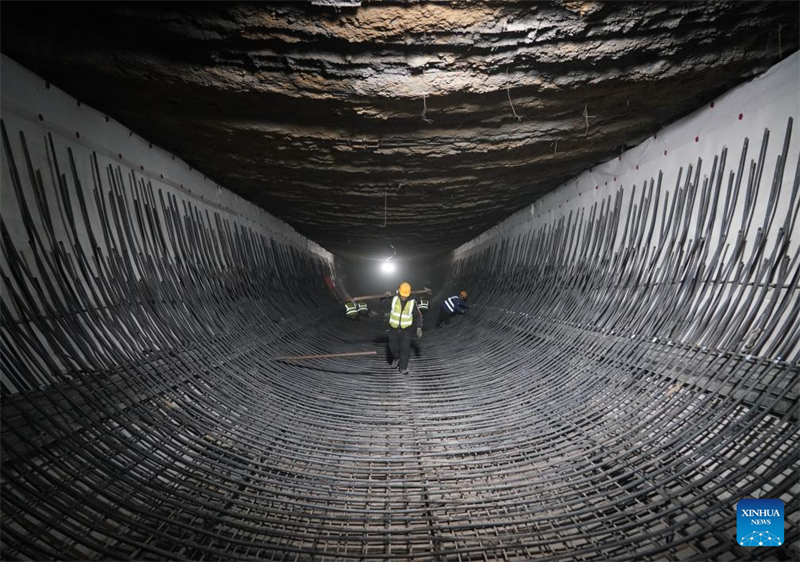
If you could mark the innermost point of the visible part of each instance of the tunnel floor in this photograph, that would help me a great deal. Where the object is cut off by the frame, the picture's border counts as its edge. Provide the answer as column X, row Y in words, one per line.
column 512, row 437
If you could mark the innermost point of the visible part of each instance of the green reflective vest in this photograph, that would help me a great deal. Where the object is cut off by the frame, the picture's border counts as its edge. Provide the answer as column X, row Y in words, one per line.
column 351, row 309
column 401, row 317
column 423, row 304
column 362, row 308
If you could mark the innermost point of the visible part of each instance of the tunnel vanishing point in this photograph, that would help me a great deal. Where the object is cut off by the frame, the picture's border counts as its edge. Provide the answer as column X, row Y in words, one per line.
column 190, row 192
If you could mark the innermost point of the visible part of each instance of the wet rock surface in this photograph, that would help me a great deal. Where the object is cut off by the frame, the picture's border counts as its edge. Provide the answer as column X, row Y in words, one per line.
column 419, row 125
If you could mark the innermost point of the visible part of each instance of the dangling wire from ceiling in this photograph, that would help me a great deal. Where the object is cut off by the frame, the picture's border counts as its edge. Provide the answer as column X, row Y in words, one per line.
column 385, row 205
column 425, row 109
column 519, row 119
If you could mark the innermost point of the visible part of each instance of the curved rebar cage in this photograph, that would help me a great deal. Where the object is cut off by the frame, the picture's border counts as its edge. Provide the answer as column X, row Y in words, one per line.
column 622, row 379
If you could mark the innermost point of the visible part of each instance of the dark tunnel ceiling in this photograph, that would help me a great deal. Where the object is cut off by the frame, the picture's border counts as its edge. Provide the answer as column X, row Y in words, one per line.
column 314, row 112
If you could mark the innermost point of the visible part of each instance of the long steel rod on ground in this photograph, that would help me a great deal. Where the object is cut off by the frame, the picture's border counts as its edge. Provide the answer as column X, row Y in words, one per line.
column 327, row 355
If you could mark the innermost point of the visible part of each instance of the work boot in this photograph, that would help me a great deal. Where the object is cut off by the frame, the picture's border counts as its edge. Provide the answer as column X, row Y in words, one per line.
column 404, row 372
column 395, row 363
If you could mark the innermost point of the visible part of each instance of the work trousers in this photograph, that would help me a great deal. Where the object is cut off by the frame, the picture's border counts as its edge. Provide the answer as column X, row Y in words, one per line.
column 444, row 316
column 400, row 345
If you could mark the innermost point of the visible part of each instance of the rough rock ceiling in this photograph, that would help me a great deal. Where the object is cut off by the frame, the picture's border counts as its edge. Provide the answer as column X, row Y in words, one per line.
column 454, row 114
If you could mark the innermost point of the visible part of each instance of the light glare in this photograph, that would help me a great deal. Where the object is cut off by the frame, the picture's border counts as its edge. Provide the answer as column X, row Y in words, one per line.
column 387, row 267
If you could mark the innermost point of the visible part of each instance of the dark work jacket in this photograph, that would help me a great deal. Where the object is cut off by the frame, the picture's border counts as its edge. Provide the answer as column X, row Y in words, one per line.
column 455, row 305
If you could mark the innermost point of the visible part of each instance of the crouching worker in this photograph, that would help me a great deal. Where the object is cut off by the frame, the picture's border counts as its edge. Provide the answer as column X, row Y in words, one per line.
column 351, row 310
column 404, row 319
column 457, row 304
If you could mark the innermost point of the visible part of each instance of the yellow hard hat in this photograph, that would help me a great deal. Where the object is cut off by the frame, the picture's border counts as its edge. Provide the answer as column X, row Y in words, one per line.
column 404, row 290
column 462, row 294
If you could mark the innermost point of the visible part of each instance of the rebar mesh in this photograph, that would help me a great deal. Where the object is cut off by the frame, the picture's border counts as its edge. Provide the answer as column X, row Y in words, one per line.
column 602, row 399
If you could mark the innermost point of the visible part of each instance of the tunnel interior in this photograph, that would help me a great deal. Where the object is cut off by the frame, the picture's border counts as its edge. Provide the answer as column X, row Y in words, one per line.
column 179, row 378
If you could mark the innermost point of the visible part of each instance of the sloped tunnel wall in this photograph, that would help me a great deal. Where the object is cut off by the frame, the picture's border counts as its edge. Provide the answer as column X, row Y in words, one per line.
column 650, row 305
column 603, row 398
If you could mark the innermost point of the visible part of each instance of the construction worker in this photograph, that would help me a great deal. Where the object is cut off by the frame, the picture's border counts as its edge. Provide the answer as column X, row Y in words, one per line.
column 404, row 319
column 363, row 309
column 351, row 310
column 457, row 304
column 423, row 304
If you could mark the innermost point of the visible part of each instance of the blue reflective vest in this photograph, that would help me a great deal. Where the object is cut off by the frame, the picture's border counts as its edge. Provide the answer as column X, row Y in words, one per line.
column 454, row 304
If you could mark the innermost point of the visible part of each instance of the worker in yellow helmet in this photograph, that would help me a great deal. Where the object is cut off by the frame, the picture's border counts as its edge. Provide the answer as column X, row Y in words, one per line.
column 457, row 304
column 404, row 319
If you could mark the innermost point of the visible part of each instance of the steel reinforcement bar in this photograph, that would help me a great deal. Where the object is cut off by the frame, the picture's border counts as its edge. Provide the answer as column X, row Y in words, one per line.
column 625, row 375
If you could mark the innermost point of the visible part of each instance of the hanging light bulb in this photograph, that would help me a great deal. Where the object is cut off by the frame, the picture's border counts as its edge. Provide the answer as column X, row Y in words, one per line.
column 387, row 266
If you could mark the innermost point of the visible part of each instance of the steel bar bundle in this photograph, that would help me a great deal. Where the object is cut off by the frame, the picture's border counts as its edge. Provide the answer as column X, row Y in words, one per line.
column 625, row 375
